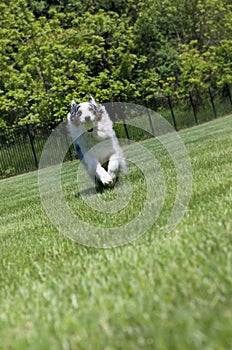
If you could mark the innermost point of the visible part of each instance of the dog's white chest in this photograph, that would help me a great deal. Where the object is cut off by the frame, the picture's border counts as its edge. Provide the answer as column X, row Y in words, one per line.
column 94, row 146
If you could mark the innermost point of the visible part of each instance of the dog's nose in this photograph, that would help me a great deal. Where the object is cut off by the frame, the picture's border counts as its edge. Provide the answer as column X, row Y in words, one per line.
column 87, row 119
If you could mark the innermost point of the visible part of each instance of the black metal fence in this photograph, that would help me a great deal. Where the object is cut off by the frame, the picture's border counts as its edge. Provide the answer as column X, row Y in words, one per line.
column 195, row 107
column 21, row 147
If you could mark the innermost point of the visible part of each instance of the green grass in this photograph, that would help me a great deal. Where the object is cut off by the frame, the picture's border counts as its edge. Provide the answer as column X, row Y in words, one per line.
column 164, row 291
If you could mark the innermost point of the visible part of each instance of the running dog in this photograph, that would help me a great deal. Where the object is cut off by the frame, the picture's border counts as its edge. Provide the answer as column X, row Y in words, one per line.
column 95, row 142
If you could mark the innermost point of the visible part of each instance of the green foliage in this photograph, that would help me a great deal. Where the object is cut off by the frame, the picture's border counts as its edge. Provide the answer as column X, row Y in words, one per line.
column 52, row 51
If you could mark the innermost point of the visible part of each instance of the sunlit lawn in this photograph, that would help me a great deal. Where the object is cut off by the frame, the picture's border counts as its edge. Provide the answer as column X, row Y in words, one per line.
column 164, row 291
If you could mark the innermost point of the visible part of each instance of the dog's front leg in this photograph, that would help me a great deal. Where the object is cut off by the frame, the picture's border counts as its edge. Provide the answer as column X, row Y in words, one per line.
column 94, row 168
column 102, row 175
column 113, row 166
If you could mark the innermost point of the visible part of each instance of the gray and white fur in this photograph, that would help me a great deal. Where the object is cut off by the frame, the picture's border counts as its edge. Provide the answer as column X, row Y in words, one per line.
column 95, row 141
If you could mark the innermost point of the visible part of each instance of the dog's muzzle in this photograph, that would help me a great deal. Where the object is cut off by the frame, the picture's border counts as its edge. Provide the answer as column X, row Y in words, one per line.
column 89, row 124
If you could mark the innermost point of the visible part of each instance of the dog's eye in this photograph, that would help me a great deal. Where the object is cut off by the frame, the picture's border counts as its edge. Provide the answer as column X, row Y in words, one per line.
column 76, row 113
column 92, row 109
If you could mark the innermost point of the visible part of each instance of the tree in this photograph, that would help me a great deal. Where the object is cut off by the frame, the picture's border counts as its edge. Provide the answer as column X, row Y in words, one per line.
column 52, row 51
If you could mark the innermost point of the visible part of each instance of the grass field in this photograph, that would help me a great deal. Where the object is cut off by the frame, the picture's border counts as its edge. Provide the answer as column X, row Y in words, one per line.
column 164, row 291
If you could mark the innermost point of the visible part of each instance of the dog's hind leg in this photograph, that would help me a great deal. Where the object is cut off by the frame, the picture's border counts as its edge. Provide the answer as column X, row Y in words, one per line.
column 122, row 165
column 78, row 150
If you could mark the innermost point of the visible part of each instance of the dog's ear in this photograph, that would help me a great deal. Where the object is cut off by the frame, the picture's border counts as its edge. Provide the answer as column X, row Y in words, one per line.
column 73, row 104
column 92, row 101
column 98, row 109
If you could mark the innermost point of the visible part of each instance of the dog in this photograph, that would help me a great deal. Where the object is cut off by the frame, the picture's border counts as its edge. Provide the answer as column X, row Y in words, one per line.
column 95, row 142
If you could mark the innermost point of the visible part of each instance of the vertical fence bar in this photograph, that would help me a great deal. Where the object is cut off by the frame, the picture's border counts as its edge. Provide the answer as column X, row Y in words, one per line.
column 32, row 145
column 7, row 159
column 126, row 131
column 66, row 141
column 193, row 107
column 150, row 121
column 212, row 102
column 229, row 94
column 172, row 112
column 17, row 150
column 123, row 120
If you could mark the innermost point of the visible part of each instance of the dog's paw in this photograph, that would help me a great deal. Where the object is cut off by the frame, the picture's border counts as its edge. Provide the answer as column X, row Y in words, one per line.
column 106, row 179
column 100, row 187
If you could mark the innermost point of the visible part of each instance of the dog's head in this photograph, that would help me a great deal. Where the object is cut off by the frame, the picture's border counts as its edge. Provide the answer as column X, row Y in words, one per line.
column 86, row 113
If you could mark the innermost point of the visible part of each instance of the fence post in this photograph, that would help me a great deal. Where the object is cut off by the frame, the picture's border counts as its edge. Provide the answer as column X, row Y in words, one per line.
column 193, row 107
column 151, row 124
column 229, row 94
column 64, row 130
column 150, row 121
column 123, row 119
column 172, row 112
column 212, row 103
column 32, row 145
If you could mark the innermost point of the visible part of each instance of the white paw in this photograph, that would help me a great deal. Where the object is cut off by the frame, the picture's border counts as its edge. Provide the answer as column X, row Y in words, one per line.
column 106, row 179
